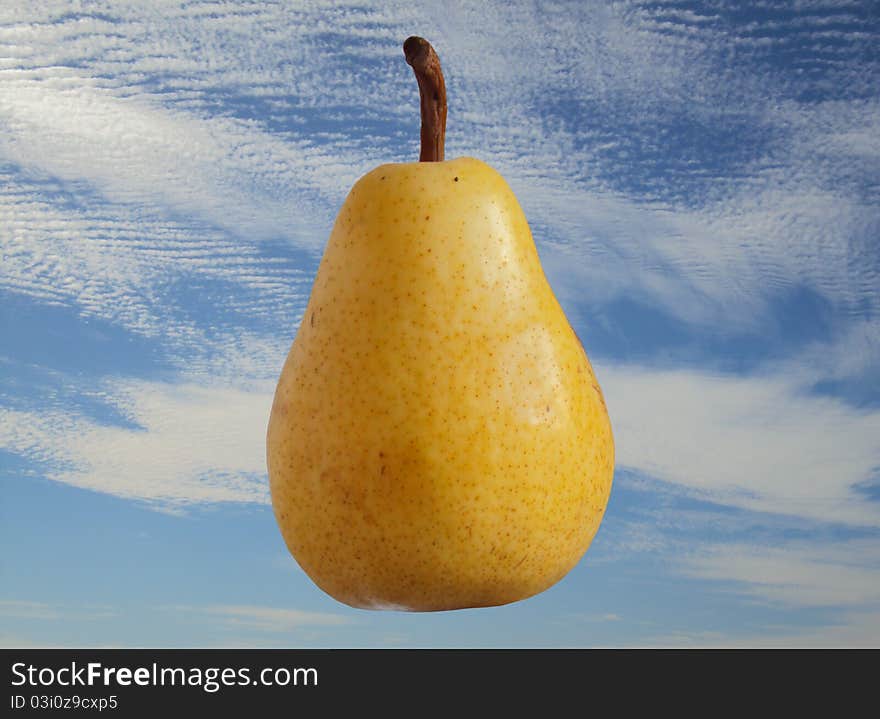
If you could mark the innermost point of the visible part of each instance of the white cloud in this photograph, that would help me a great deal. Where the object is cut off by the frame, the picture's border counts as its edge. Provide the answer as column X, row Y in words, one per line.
column 43, row 611
column 841, row 578
column 805, row 574
column 20, row 609
column 853, row 354
column 269, row 619
column 851, row 630
column 16, row 641
column 607, row 617
column 135, row 151
column 126, row 264
column 761, row 443
column 191, row 443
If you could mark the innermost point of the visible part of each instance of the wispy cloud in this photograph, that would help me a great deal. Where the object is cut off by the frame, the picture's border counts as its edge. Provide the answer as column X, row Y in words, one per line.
column 802, row 574
column 17, row 641
column 20, row 609
column 135, row 151
column 185, row 444
column 850, row 630
column 267, row 619
column 227, row 624
column 606, row 617
column 50, row 611
column 761, row 443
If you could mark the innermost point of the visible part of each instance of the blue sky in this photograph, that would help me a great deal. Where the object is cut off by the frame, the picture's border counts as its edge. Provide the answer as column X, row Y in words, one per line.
column 703, row 184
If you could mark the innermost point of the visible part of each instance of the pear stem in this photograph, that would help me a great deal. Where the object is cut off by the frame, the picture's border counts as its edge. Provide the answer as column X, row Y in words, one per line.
column 432, row 92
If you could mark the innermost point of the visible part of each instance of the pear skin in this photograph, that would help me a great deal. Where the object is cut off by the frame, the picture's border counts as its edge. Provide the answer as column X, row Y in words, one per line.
column 438, row 439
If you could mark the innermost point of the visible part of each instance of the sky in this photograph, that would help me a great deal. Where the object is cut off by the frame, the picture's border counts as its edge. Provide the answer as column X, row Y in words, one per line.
column 702, row 180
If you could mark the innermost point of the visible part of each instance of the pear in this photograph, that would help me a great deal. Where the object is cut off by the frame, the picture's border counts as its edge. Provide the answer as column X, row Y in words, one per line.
column 438, row 439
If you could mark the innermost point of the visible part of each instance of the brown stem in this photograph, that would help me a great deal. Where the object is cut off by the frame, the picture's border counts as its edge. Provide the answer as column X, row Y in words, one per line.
column 432, row 90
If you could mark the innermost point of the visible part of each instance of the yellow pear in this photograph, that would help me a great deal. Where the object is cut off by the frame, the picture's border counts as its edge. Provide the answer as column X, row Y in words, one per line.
column 438, row 439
